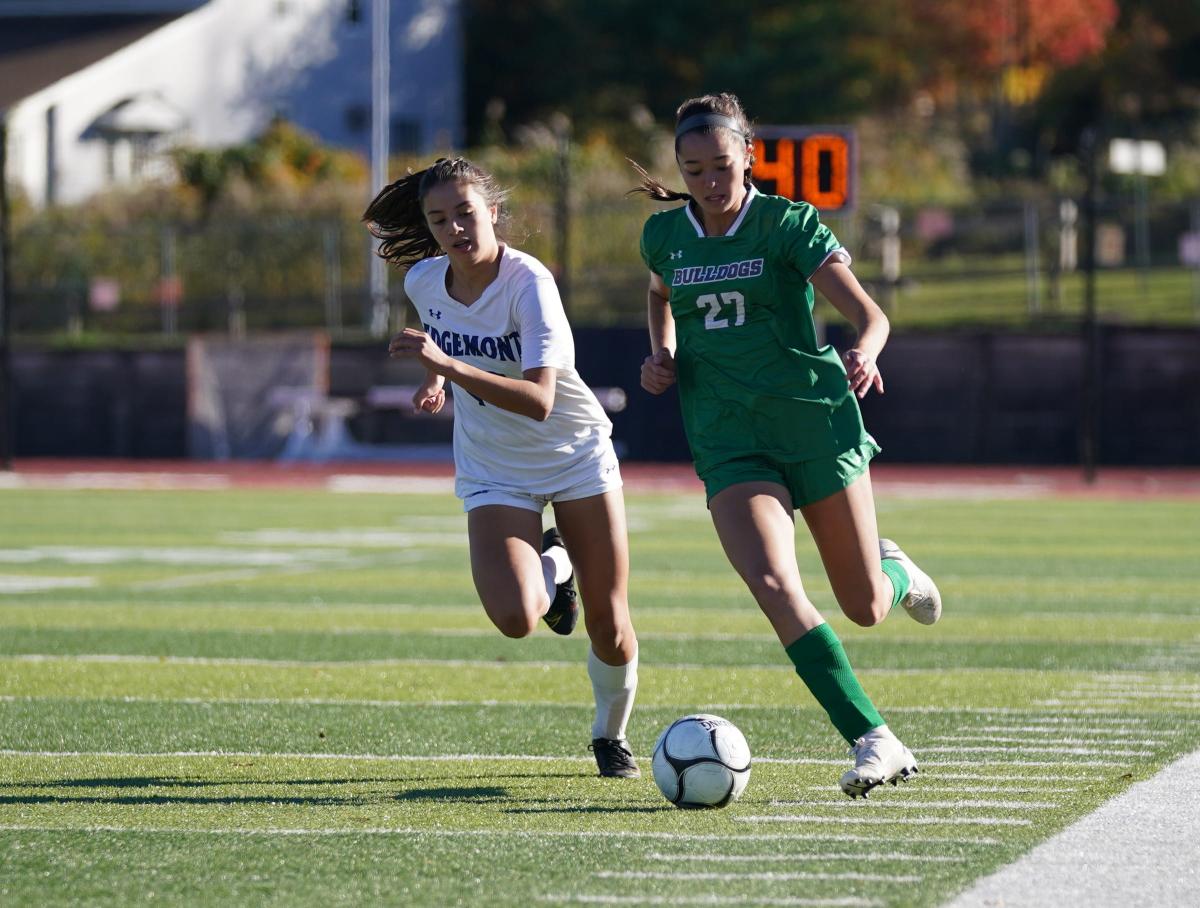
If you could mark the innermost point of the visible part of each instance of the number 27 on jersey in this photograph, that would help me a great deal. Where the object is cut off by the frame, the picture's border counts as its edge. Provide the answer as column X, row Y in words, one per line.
column 717, row 304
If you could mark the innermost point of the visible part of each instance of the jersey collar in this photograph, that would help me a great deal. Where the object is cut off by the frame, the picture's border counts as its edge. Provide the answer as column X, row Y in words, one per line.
column 751, row 193
column 444, row 277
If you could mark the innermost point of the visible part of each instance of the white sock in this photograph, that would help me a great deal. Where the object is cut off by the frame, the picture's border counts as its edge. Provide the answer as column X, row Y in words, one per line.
column 614, row 687
column 556, row 567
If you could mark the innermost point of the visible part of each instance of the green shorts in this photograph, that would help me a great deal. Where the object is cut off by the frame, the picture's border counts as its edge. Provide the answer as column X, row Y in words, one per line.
column 807, row 481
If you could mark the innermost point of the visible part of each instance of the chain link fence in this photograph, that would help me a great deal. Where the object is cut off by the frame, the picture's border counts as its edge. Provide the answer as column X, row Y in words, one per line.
column 1004, row 264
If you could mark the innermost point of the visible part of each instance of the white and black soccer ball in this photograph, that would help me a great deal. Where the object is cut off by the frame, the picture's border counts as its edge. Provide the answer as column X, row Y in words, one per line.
column 701, row 761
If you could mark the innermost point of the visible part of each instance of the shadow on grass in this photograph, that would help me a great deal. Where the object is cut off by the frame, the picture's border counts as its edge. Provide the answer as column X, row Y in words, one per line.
column 476, row 794
column 172, row 782
column 181, row 799
column 532, row 776
column 185, row 787
column 590, row 808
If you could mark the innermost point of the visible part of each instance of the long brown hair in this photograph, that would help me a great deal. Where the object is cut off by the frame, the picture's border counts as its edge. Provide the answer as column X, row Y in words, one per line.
column 723, row 104
column 396, row 218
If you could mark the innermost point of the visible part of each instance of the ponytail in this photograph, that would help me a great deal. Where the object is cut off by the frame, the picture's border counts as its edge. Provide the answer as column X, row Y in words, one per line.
column 654, row 188
column 395, row 216
column 396, row 219
column 706, row 113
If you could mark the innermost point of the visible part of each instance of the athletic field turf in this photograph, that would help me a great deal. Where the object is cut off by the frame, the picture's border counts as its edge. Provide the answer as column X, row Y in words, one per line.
column 293, row 698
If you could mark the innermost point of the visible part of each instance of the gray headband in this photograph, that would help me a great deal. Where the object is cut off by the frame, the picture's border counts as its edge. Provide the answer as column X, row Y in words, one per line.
column 698, row 121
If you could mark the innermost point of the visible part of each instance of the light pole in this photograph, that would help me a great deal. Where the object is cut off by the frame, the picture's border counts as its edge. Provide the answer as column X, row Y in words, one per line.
column 380, row 128
column 1090, row 423
column 6, row 415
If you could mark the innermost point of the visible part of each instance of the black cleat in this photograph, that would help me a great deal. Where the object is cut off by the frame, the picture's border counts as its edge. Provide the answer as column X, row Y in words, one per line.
column 563, row 613
column 614, row 759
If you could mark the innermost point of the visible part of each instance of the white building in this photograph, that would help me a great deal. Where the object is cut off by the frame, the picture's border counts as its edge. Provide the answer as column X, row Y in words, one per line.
column 93, row 91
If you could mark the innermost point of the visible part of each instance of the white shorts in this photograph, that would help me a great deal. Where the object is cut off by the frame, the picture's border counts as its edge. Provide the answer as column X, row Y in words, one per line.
column 595, row 476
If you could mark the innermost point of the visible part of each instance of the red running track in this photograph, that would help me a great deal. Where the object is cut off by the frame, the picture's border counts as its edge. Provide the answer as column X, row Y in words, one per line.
column 932, row 481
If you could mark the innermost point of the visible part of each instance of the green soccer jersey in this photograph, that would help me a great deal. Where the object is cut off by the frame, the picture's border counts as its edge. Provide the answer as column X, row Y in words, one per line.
column 752, row 379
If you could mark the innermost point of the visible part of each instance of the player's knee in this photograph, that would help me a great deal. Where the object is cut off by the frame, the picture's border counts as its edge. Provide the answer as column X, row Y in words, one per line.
column 515, row 621
column 610, row 633
column 869, row 612
column 515, row 625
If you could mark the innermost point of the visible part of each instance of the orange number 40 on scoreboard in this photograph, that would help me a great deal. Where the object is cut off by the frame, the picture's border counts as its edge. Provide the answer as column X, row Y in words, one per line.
column 812, row 163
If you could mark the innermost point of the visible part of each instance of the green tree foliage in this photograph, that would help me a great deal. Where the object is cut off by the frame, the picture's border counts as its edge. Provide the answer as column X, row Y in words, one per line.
column 1145, row 82
column 599, row 62
column 968, row 76
column 249, row 221
column 284, row 160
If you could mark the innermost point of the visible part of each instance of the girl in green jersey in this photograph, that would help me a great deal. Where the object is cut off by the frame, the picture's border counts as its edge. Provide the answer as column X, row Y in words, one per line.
column 772, row 418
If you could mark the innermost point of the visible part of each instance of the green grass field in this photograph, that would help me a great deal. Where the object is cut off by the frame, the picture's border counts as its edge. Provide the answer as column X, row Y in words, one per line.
column 293, row 698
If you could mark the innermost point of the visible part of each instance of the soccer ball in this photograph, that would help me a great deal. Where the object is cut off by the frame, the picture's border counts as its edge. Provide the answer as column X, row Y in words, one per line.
column 701, row 761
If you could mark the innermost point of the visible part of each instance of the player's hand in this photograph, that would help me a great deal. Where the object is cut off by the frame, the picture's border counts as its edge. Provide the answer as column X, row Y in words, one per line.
column 416, row 344
column 430, row 397
column 862, row 373
column 658, row 371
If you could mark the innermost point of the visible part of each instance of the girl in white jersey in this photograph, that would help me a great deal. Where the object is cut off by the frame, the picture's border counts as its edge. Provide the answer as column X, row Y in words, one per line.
column 527, row 430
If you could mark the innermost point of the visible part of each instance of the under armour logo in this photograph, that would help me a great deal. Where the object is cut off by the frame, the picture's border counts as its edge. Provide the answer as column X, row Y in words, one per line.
column 677, row 255
column 436, row 315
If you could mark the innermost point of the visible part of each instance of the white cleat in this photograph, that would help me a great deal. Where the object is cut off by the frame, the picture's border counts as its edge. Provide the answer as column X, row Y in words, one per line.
column 879, row 757
column 923, row 601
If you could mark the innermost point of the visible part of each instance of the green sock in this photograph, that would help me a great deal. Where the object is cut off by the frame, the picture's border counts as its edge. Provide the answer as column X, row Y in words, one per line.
column 899, row 577
column 821, row 664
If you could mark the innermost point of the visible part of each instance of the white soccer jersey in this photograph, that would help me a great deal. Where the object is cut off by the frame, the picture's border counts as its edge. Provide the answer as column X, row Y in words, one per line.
column 517, row 324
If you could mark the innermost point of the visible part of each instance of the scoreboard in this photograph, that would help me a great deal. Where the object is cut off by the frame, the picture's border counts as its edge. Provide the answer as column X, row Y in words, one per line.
column 815, row 164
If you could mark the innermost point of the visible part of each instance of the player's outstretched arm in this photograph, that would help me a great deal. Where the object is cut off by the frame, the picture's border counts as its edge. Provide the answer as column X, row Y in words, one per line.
column 838, row 284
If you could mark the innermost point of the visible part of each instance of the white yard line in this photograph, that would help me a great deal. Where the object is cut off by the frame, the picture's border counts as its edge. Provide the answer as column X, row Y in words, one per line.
column 918, row 804
column 785, row 761
column 906, row 856
column 1122, row 684
column 1111, row 702
column 1061, row 707
column 1034, row 749
column 1058, row 732
column 117, row 481
column 1138, row 849
column 182, row 581
column 481, row 632
column 327, row 701
column 1054, row 742
column 1067, row 766
column 885, row 821
column 508, row 666
column 1064, row 722
column 1148, row 690
column 300, row 701
column 172, row 556
column 1050, row 778
column 765, row 875
column 977, row 789
column 127, row 659
column 683, row 901
column 720, row 838
column 263, row 754
column 351, row 483
column 299, row 606
column 21, row 583
column 350, row 537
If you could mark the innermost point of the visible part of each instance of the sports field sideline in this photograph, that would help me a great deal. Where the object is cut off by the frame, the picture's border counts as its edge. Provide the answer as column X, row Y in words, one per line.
column 217, row 687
